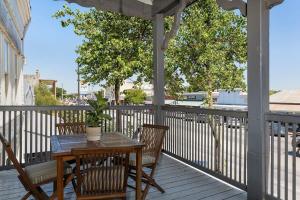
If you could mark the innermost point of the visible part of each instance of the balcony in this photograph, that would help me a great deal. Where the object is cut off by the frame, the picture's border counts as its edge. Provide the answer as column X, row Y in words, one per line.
column 212, row 141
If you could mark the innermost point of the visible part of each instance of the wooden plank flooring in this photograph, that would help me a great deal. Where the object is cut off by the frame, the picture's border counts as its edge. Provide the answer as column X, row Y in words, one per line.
column 179, row 181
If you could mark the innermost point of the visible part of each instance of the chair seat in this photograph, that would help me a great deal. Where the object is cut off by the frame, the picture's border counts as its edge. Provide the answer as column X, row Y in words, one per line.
column 146, row 159
column 42, row 172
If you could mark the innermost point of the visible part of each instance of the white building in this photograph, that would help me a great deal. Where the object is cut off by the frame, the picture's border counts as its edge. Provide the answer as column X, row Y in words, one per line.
column 109, row 92
column 235, row 97
column 14, row 20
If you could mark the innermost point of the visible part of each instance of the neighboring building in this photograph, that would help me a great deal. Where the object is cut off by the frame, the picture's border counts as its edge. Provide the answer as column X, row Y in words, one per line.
column 30, row 82
column 235, row 97
column 109, row 92
column 285, row 101
column 14, row 20
column 198, row 96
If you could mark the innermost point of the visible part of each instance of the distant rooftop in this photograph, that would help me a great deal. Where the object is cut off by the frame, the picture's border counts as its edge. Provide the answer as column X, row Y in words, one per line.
column 286, row 96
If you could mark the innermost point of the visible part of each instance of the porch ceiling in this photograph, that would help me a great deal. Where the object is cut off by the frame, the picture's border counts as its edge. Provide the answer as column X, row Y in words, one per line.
column 140, row 8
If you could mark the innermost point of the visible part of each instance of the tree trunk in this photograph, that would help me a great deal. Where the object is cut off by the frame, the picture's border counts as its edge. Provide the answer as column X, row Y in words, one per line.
column 117, row 102
column 212, row 123
column 117, row 92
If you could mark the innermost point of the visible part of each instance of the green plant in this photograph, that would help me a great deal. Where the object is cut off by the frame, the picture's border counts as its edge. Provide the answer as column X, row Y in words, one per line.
column 43, row 96
column 96, row 116
column 135, row 96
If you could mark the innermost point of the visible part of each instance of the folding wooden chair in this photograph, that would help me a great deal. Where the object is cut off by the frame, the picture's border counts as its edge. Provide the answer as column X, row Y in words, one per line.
column 71, row 128
column 33, row 176
column 152, row 136
column 103, row 173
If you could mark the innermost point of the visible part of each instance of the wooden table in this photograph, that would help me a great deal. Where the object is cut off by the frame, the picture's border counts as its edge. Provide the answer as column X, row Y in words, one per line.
column 61, row 151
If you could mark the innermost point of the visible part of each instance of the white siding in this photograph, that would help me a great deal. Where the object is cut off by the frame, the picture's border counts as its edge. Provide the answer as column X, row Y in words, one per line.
column 13, row 23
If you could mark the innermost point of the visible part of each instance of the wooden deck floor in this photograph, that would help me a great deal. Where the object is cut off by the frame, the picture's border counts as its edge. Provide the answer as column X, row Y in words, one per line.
column 179, row 181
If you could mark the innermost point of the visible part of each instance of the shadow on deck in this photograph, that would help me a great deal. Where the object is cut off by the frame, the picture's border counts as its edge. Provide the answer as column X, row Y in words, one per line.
column 179, row 181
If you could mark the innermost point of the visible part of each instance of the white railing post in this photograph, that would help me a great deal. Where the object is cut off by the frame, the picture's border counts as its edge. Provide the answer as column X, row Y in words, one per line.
column 258, row 96
column 158, row 66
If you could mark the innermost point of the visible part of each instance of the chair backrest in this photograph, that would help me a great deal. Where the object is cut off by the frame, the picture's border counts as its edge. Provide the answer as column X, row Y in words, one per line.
column 71, row 128
column 101, row 172
column 22, row 174
column 153, row 136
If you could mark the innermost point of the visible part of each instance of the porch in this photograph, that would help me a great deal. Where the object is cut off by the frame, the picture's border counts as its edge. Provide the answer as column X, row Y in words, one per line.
column 179, row 181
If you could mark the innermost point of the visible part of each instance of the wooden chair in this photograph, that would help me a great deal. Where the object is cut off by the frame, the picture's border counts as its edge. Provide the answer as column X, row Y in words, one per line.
column 103, row 173
column 71, row 128
column 152, row 136
column 32, row 177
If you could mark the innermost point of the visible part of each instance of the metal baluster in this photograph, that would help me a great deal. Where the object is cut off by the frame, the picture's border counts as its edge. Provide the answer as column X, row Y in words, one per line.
column 26, row 137
column 235, row 149
column 278, row 159
column 41, row 134
column 240, row 150
column 4, row 135
column 15, row 132
column 294, row 163
column 286, row 183
column 21, row 137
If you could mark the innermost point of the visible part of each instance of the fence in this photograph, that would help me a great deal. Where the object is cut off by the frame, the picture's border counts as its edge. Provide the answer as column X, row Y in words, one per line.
column 283, row 147
column 212, row 140
column 29, row 128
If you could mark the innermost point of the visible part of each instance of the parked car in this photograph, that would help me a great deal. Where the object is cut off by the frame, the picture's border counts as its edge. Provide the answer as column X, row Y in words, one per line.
column 278, row 129
column 233, row 122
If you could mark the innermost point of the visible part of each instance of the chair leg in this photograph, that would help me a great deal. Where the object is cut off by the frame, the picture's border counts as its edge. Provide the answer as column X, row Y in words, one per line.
column 40, row 194
column 152, row 182
column 68, row 179
column 26, row 196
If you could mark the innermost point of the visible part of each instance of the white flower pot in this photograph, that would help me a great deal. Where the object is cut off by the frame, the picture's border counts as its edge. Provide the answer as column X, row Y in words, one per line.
column 93, row 133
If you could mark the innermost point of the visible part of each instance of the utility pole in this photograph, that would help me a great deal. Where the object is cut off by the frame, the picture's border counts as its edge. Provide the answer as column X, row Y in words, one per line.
column 78, row 89
column 62, row 91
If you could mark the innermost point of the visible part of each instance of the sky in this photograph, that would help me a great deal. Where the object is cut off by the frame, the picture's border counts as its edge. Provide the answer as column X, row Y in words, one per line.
column 51, row 48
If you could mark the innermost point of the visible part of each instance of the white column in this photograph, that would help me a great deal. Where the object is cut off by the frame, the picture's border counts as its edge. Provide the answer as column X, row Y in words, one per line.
column 258, row 96
column 158, row 65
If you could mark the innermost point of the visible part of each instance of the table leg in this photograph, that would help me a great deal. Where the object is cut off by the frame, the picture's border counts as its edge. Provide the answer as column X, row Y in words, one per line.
column 138, row 194
column 60, row 181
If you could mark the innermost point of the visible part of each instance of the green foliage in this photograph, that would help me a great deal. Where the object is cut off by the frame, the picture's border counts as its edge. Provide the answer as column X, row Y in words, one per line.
column 271, row 92
column 43, row 96
column 208, row 53
column 59, row 92
column 210, row 48
column 135, row 96
column 115, row 47
column 96, row 117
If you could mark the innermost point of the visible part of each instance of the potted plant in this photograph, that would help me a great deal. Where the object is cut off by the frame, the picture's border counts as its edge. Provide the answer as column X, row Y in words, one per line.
column 96, row 117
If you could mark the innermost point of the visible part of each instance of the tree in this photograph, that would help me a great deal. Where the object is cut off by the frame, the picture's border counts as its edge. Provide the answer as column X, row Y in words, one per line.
column 43, row 96
column 114, row 48
column 60, row 92
column 210, row 53
column 135, row 96
column 210, row 48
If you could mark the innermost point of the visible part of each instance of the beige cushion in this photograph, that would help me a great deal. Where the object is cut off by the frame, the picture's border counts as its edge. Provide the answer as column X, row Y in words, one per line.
column 38, row 173
column 146, row 159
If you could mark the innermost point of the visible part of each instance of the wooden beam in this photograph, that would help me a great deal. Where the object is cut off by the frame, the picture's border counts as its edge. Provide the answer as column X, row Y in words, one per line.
column 271, row 3
column 258, row 97
column 158, row 65
column 126, row 7
column 234, row 4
